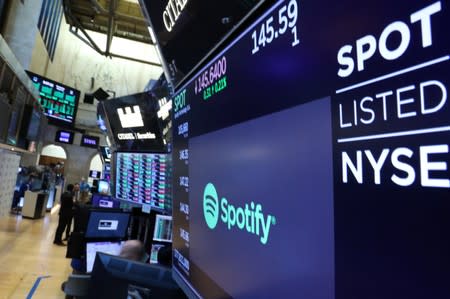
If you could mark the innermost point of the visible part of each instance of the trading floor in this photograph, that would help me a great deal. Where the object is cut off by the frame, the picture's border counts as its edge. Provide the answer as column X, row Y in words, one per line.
column 31, row 265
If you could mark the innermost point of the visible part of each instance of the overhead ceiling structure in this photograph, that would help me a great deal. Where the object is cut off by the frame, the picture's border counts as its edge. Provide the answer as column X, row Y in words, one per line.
column 115, row 18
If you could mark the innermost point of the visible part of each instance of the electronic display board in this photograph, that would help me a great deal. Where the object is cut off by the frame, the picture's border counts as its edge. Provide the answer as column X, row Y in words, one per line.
column 195, row 26
column 89, row 141
column 134, row 122
column 311, row 156
column 64, row 136
column 58, row 101
column 144, row 178
column 105, row 152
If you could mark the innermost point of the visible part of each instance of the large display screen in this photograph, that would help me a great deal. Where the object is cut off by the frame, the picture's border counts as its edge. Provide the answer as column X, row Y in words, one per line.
column 186, row 30
column 311, row 156
column 144, row 178
column 59, row 102
column 134, row 122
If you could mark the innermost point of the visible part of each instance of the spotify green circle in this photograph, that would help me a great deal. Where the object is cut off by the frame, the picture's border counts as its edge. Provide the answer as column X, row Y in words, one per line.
column 210, row 206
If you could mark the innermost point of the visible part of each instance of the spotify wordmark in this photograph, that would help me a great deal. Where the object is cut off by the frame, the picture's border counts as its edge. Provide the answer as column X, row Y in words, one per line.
column 249, row 218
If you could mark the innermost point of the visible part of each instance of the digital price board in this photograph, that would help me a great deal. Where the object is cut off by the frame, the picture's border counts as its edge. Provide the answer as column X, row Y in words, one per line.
column 144, row 178
column 58, row 101
column 311, row 155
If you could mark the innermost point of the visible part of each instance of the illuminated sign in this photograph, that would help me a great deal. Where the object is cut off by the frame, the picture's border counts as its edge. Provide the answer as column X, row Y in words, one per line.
column 90, row 141
column 64, row 137
column 130, row 118
column 366, row 46
column 136, row 136
column 172, row 12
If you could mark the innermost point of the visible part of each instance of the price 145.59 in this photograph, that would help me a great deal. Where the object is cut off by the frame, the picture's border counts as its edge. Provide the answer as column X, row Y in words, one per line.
column 270, row 31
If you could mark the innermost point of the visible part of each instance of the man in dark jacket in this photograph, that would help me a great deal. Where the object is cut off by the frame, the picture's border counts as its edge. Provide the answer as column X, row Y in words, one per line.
column 65, row 214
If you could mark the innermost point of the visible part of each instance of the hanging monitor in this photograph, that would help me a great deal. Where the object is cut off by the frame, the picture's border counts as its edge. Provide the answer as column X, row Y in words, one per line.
column 186, row 30
column 134, row 122
column 58, row 101
column 63, row 136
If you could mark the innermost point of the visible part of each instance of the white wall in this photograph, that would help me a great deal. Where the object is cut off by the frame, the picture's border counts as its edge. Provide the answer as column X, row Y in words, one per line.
column 75, row 63
column 9, row 166
column 21, row 29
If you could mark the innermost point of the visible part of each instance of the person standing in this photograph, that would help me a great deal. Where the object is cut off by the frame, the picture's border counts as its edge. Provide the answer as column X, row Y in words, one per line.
column 76, row 191
column 75, row 197
column 65, row 215
column 84, row 186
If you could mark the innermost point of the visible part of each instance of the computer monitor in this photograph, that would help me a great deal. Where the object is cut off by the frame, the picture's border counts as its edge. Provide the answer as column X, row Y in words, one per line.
column 111, row 276
column 95, row 174
column 111, row 225
column 103, row 186
column 144, row 178
column 163, row 228
column 92, row 248
column 154, row 253
column 104, row 201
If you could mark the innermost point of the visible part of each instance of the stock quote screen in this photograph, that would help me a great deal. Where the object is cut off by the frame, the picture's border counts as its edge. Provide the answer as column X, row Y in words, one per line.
column 59, row 102
column 311, row 156
column 144, row 178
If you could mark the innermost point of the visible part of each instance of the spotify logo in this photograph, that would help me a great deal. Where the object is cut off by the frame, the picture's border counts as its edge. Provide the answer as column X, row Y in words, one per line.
column 249, row 218
column 210, row 206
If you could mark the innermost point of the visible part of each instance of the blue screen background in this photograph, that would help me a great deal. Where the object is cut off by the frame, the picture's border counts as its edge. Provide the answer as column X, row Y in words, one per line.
column 258, row 161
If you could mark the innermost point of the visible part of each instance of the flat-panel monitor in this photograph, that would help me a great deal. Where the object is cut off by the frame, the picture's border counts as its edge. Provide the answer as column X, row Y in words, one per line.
column 104, row 201
column 154, row 253
column 195, row 26
column 105, row 152
column 92, row 248
column 103, row 186
column 134, row 122
column 112, row 225
column 163, row 228
column 111, row 276
column 144, row 178
column 89, row 141
column 95, row 174
column 307, row 149
column 59, row 101
column 63, row 136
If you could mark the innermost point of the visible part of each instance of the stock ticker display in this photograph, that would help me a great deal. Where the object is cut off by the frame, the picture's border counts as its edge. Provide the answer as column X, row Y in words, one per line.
column 144, row 178
column 58, row 101
column 311, row 155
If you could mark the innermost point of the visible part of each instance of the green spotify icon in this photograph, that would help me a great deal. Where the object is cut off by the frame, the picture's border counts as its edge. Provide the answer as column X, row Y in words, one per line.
column 211, row 206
